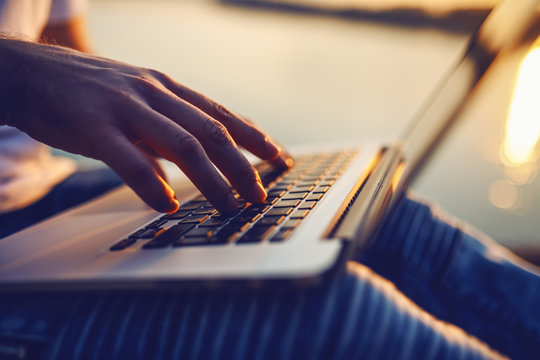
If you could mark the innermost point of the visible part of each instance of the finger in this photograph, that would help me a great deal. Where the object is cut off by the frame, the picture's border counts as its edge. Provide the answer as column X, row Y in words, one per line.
column 223, row 152
column 215, row 139
column 244, row 132
column 128, row 162
column 152, row 156
column 283, row 161
column 179, row 146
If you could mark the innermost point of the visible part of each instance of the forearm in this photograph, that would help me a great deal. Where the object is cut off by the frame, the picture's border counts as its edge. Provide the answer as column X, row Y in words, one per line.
column 12, row 79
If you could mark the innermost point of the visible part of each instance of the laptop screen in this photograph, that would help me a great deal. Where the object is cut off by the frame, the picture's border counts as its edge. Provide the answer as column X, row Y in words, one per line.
column 504, row 25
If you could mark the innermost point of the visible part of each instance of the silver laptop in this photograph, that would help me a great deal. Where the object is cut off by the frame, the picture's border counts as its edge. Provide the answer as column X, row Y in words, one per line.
column 316, row 216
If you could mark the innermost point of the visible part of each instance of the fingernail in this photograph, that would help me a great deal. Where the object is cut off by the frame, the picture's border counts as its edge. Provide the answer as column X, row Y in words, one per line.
column 259, row 194
column 173, row 206
column 289, row 161
column 272, row 147
column 231, row 203
column 284, row 161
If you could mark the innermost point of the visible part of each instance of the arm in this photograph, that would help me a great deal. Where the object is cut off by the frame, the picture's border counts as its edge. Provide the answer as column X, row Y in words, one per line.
column 114, row 112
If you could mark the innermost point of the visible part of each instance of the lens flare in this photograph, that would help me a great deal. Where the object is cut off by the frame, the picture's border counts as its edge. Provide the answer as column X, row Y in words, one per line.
column 523, row 125
column 518, row 150
column 503, row 195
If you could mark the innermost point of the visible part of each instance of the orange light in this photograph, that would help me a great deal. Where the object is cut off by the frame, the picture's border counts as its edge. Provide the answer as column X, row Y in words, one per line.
column 523, row 125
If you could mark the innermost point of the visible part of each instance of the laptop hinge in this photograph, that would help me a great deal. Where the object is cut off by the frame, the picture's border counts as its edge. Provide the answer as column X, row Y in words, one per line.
column 373, row 198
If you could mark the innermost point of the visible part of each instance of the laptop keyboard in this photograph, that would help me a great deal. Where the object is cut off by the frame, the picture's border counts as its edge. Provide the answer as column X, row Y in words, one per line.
column 292, row 195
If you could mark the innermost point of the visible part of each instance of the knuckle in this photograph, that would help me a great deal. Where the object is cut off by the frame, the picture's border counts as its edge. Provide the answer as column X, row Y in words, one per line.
column 221, row 111
column 217, row 132
column 145, row 84
column 187, row 145
column 161, row 80
column 152, row 73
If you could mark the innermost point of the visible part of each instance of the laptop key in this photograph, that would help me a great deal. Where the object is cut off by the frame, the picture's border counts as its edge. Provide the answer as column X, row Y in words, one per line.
column 256, row 234
column 276, row 193
column 122, row 244
column 199, row 232
column 156, row 224
column 321, row 189
column 314, row 197
column 272, row 220
column 247, row 217
column 270, row 200
column 180, row 214
column 147, row 233
column 307, row 183
column 282, row 185
column 194, row 219
column 205, row 211
column 307, row 187
column 192, row 205
column 301, row 189
column 279, row 212
column 327, row 183
column 238, row 225
column 287, row 203
column 307, row 205
column 168, row 236
column 310, row 178
column 257, row 208
column 281, row 235
column 299, row 214
column 224, row 217
column 211, row 222
column 295, row 196
column 225, row 235
column 291, row 224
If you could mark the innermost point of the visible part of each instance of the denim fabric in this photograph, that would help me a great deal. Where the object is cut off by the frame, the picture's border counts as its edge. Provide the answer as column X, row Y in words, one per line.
column 473, row 285
column 360, row 315
column 460, row 276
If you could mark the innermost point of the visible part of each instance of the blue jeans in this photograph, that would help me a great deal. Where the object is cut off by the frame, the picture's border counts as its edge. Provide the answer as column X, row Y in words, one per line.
column 426, row 288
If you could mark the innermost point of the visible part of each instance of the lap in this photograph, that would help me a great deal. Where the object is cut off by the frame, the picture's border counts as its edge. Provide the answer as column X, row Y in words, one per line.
column 359, row 314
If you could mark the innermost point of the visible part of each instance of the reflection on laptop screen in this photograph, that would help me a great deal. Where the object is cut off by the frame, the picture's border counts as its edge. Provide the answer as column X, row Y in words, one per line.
column 504, row 25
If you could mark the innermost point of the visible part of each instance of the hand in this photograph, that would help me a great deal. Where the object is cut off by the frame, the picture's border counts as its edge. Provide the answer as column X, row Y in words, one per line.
column 120, row 113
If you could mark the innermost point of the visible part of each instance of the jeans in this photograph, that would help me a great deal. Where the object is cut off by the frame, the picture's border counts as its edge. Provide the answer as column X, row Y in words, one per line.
column 426, row 288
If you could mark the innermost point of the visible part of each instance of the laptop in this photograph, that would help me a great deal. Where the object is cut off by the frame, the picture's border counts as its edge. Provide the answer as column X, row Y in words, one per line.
column 317, row 214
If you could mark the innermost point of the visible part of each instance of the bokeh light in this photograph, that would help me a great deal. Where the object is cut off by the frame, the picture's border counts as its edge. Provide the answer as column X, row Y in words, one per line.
column 518, row 151
column 503, row 195
column 523, row 126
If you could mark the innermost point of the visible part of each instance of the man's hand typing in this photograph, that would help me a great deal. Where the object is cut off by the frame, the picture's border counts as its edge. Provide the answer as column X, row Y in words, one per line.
column 125, row 116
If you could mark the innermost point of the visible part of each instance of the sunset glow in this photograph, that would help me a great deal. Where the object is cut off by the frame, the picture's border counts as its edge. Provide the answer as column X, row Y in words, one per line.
column 523, row 125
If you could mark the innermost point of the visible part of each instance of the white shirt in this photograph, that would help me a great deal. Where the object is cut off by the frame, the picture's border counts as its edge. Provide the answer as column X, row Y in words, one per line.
column 27, row 169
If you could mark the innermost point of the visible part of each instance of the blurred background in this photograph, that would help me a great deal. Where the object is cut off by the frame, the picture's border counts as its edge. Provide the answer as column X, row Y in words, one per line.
column 341, row 70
